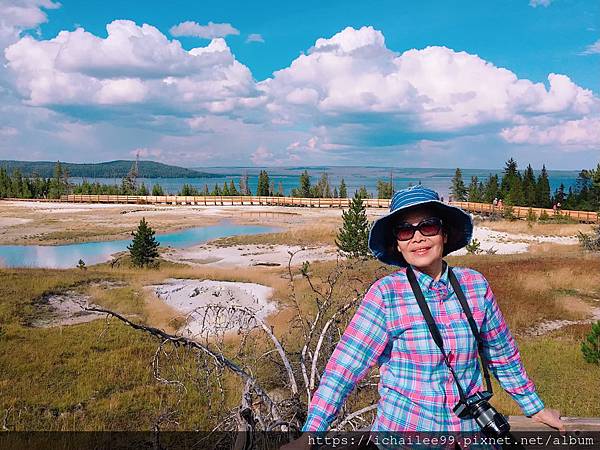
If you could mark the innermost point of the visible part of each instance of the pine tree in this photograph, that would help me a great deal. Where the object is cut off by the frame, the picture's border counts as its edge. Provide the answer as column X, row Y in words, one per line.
column 305, row 190
column 263, row 184
column 226, row 189
column 543, row 190
column 143, row 190
column 352, row 238
column 510, row 173
column 144, row 247
column 458, row 189
column 343, row 193
column 56, row 186
column 232, row 189
column 157, row 189
column 474, row 194
column 529, row 187
column 362, row 191
column 384, row 189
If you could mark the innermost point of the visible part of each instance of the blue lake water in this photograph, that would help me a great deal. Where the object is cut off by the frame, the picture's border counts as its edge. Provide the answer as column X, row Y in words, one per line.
column 354, row 177
column 67, row 256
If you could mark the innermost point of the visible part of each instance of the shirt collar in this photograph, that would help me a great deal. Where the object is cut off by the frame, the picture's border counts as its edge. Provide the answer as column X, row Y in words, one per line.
column 427, row 282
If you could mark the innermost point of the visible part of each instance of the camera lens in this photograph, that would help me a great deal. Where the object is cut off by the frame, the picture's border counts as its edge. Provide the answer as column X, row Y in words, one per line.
column 492, row 423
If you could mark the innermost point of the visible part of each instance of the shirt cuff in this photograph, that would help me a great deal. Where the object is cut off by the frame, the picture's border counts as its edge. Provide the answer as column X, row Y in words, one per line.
column 315, row 424
column 530, row 403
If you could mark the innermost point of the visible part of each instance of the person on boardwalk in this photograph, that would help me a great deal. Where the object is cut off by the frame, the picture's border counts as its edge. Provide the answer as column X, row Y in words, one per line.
column 419, row 385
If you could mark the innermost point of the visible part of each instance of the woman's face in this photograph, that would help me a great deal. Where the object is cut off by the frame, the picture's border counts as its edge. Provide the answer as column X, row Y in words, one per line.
column 421, row 251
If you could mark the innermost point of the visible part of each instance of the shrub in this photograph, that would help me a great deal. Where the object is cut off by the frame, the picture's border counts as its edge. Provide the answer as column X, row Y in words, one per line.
column 508, row 213
column 590, row 242
column 544, row 216
column 590, row 347
column 473, row 247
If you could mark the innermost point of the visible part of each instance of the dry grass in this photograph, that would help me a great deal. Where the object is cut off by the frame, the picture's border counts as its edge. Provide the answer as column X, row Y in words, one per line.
column 58, row 368
column 543, row 229
column 324, row 234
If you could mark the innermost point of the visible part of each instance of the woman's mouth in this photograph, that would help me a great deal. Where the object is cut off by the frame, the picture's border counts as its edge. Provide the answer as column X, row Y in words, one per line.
column 421, row 251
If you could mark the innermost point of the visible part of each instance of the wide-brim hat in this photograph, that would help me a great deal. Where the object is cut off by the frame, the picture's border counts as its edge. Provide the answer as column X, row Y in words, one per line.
column 457, row 223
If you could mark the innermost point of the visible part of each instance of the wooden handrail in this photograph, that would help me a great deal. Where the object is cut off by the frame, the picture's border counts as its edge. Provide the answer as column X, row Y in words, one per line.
column 482, row 208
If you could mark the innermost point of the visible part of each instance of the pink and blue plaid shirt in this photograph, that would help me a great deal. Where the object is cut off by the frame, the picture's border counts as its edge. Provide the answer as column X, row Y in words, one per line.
column 417, row 391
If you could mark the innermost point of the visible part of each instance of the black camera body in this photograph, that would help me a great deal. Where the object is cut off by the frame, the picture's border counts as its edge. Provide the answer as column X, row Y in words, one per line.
column 491, row 422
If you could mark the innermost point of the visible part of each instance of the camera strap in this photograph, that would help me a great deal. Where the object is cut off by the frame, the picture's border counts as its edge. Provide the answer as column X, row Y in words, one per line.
column 435, row 332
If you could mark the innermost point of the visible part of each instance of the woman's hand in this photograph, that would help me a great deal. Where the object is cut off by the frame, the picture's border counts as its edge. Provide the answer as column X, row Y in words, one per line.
column 550, row 417
column 299, row 444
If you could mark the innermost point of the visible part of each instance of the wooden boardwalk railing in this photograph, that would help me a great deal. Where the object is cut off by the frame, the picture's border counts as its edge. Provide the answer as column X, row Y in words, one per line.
column 218, row 200
column 481, row 208
column 523, row 211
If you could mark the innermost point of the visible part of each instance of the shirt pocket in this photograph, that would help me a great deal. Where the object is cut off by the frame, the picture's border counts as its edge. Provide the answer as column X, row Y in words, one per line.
column 412, row 343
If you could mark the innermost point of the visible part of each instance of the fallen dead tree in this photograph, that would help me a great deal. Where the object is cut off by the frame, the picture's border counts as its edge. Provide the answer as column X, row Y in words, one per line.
column 230, row 343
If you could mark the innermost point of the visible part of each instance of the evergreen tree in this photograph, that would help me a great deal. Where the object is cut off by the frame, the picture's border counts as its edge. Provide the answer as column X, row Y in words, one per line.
column 216, row 191
column 458, row 189
column 335, row 192
column 263, row 184
column 232, row 189
column 343, row 190
column 56, row 184
column 385, row 189
column 304, row 190
column 280, row 189
column 543, row 190
column 474, row 194
column 559, row 196
column 143, row 190
column 352, row 238
column 529, row 187
column 595, row 189
column 225, row 189
column 157, row 189
column 510, row 173
column 511, row 187
column 144, row 247
column 188, row 190
column 362, row 191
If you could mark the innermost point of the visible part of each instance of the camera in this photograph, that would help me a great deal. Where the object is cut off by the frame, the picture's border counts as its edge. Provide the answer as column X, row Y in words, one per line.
column 492, row 423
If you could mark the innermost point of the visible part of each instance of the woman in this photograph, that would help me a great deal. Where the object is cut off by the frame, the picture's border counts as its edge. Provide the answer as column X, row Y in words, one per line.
column 417, row 390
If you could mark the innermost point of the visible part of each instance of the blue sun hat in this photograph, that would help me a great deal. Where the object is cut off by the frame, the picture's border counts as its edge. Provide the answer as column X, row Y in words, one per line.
column 457, row 223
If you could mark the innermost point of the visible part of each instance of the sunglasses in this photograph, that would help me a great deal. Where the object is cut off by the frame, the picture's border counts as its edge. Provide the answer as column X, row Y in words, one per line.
column 427, row 227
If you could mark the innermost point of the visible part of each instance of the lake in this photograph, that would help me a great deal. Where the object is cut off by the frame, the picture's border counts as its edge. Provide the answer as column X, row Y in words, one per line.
column 354, row 177
column 67, row 256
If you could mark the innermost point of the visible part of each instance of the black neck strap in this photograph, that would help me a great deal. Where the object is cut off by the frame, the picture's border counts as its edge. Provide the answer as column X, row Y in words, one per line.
column 435, row 332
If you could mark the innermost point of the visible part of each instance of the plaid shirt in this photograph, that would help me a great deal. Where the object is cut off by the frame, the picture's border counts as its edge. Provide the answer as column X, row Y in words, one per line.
column 417, row 391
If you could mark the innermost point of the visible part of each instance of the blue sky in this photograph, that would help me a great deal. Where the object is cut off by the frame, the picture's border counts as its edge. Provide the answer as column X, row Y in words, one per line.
column 408, row 84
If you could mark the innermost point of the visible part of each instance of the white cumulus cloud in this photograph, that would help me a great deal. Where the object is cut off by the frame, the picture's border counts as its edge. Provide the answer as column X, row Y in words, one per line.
column 132, row 65
column 209, row 31
column 579, row 133
column 353, row 79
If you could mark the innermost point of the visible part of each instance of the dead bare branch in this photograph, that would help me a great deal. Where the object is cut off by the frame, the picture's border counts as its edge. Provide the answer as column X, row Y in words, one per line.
column 219, row 358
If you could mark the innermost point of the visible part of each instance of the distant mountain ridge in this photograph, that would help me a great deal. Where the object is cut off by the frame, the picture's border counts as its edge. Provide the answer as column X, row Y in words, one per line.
column 109, row 169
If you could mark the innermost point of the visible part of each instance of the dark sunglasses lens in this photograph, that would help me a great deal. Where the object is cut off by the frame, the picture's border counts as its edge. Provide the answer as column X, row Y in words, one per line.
column 430, row 228
column 404, row 233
